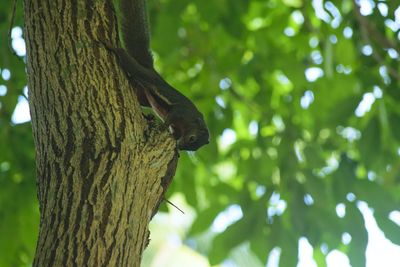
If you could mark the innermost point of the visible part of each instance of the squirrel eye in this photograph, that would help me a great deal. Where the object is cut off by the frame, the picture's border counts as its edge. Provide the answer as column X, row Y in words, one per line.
column 192, row 138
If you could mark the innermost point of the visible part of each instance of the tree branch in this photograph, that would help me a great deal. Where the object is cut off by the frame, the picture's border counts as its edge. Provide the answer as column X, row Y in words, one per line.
column 368, row 30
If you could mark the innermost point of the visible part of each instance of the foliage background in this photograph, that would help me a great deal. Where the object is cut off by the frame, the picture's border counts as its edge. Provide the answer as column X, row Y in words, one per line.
column 302, row 100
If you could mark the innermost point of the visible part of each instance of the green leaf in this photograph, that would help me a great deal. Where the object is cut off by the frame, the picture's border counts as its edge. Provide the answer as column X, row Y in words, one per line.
column 293, row 3
column 204, row 219
column 370, row 141
column 233, row 236
column 289, row 251
column 390, row 228
column 359, row 236
column 319, row 257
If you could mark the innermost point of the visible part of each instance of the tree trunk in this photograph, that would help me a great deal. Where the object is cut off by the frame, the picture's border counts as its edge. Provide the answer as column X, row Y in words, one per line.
column 100, row 163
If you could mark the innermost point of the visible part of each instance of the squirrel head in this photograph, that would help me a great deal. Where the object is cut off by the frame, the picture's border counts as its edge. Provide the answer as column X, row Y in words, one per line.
column 192, row 135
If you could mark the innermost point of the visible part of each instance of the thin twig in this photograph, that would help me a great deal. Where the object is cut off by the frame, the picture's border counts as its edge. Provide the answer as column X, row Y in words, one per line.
column 172, row 204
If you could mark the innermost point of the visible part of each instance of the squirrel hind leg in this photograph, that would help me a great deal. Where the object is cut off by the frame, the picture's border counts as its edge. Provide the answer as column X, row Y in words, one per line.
column 141, row 96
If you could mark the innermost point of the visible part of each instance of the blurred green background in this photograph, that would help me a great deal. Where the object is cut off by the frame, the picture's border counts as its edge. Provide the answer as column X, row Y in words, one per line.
column 302, row 101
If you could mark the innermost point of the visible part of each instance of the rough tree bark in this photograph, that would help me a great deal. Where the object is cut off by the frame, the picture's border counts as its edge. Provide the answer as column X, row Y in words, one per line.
column 100, row 163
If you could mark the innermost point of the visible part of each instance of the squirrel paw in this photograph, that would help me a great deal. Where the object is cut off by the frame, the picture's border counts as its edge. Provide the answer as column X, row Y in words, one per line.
column 149, row 116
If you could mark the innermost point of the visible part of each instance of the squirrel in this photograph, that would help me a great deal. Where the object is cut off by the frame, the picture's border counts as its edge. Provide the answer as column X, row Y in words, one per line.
column 178, row 113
